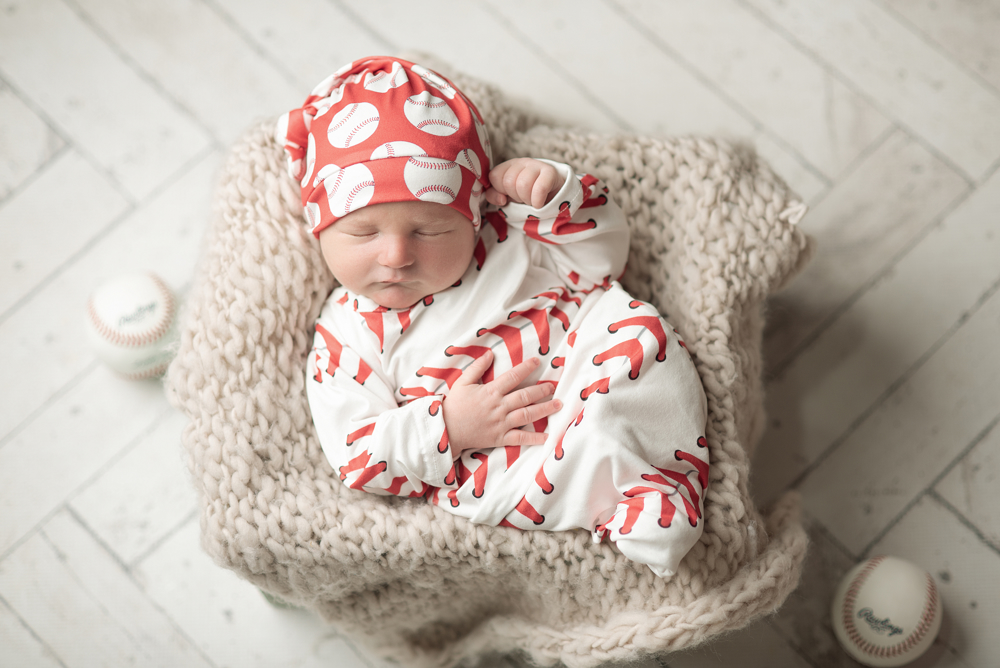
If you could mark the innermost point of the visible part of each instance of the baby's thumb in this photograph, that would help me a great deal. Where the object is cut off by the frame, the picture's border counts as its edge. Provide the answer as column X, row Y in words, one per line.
column 495, row 197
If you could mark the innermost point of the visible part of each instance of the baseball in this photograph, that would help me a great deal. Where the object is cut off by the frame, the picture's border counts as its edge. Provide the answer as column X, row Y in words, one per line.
column 313, row 214
column 384, row 81
column 347, row 189
column 476, row 199
column 130, row 325
column 431, row 114
column 432, row 79
column 467, row 158
column 433, row 179
column 396, row 149
column 886, row 612
column 353, row 124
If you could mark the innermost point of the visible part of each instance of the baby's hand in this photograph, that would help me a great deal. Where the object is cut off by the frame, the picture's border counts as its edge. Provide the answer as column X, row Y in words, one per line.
column 489, row 415
column 525, row 181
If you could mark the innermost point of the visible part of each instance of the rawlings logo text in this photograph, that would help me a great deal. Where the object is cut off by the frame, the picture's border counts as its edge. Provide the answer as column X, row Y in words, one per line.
column 878, row 625
column 138, row 314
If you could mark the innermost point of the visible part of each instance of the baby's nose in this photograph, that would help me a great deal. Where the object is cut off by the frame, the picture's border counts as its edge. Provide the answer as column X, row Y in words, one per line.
column 396, row 252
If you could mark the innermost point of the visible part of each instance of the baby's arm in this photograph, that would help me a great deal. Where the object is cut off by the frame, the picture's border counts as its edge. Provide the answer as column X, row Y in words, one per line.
column 372, row 442
column 581, row 230
column 381, row 447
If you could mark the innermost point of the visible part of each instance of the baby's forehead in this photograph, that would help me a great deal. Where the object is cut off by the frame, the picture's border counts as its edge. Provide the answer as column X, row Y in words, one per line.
column 399, row 213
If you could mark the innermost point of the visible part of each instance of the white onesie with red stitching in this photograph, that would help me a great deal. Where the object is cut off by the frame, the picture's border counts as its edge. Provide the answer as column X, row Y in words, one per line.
column 625, row 457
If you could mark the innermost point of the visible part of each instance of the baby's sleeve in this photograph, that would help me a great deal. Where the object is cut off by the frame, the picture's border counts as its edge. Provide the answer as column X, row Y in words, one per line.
column 582, row 232
column 373, row 443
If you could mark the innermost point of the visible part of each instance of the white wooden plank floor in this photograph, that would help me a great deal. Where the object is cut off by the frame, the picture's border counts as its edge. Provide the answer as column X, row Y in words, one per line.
column 883, row 358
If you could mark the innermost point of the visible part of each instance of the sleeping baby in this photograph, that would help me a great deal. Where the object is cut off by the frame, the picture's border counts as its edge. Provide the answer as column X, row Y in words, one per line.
column 478, row 352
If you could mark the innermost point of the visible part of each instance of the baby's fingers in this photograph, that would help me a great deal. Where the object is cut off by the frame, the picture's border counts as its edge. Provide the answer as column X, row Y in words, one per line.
column 520, row 181
column 546, row 184
column 533, row 413
column 495, row 197
column 521, row 437
column 474, row 372
column 510, row 380
column 497, row 176
column 527, row 395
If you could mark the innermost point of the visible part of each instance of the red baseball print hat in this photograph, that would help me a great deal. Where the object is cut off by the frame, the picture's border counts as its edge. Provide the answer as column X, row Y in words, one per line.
column 385, row 130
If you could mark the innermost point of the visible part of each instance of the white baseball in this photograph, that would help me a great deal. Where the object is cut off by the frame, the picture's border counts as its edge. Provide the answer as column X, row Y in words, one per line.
column 433, row 79
column 396, row 149
column 313, row 214
column 347, row 189
column 433, row 179
column 130, row 325
column 467, row 158
column 886, row 612
column 431, row 114
column 383, row 81
column 476, row 200
column 324, row 105
column 353, row 124
column 331, row 90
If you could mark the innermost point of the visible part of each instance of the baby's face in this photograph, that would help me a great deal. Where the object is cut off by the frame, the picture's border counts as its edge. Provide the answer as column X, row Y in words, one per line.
column 399, row 252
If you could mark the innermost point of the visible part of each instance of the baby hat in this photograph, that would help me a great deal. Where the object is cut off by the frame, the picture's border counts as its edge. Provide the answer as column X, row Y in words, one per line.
column 385, row 130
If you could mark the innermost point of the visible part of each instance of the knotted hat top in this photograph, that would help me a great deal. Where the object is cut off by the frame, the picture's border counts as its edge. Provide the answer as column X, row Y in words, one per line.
column 385, row 130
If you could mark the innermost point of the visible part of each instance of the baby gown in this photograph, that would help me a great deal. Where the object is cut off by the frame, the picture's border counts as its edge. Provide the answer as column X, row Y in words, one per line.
column 625, row 457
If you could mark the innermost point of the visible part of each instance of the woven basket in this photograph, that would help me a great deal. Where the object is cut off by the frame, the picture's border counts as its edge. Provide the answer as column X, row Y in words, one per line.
column 713, row 234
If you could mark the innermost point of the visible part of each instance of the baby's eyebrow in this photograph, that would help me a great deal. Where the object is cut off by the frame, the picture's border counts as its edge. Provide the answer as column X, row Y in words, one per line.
column 432, row 222
column 357, row 219
column 355, row 227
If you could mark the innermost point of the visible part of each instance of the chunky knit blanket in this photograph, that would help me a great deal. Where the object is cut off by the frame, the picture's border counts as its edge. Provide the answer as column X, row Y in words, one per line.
column 713, row 234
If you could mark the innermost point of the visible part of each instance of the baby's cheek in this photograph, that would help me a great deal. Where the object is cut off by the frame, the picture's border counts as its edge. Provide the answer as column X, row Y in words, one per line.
column 351, row 268
column 455, row 266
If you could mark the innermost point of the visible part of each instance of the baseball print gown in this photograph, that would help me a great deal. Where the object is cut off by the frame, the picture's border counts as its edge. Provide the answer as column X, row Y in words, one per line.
column 625, row 457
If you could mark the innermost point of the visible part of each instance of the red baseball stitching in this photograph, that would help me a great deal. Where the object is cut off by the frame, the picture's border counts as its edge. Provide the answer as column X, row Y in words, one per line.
column 444, row 164
column 148, row 373
column 906, row 644
column 141, row 338
column 430, row 105
column 436, row 121
column 354, row 192
column 350, row 136
column 435, row 189
column 465, row 152
column 354, row 107
column 336, row 183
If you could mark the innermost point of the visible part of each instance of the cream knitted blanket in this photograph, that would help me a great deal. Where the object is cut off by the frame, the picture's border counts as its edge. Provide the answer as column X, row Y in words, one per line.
column 713, row 235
